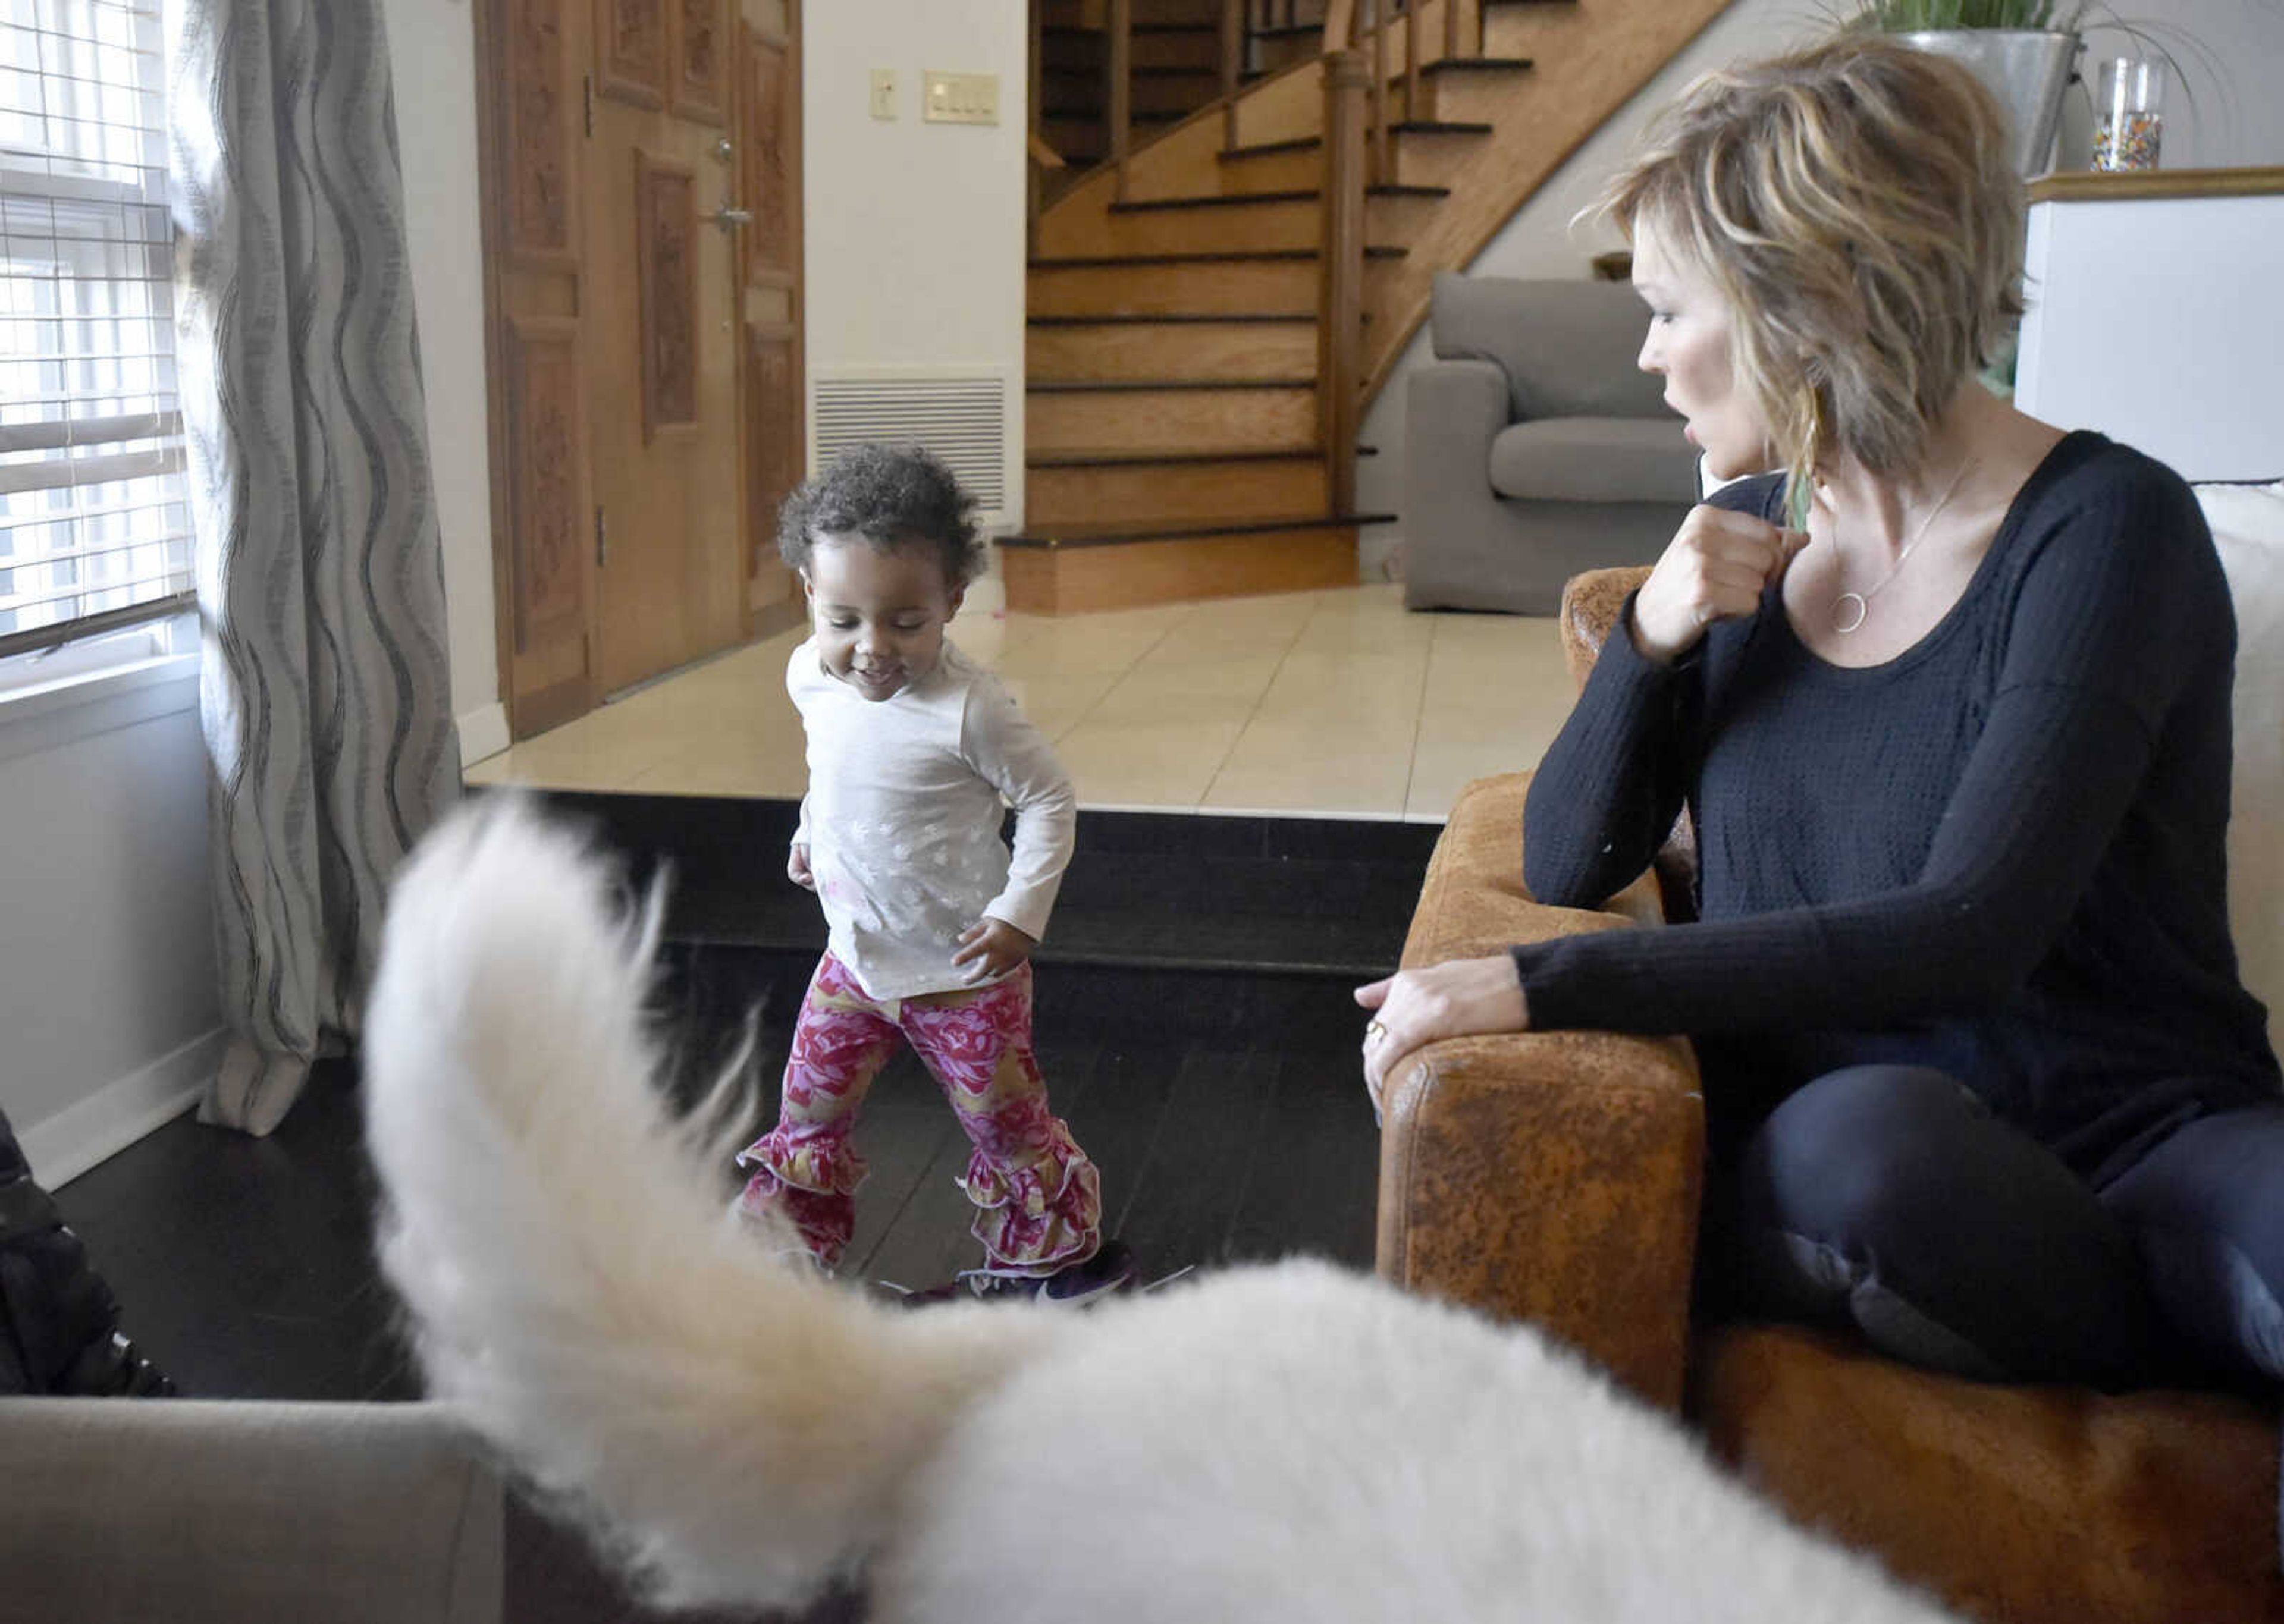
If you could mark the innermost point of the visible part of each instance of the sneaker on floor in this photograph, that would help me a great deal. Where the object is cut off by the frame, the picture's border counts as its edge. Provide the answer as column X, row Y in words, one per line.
column 1109, row 1271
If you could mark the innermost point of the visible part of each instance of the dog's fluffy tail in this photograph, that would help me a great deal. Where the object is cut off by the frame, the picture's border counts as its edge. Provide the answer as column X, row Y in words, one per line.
column 732, row 1424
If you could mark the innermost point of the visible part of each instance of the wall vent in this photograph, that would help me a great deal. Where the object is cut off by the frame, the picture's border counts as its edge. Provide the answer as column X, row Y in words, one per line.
column 960, row 414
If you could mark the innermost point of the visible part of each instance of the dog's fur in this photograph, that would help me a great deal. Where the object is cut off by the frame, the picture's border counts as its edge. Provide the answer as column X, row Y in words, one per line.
column 1283, row 1443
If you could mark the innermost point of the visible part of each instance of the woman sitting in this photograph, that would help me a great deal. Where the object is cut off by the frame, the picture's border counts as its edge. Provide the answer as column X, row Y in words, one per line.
column 1947, row 702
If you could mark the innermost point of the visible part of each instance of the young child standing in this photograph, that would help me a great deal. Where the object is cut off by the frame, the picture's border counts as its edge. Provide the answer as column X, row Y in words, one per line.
column 912, row 750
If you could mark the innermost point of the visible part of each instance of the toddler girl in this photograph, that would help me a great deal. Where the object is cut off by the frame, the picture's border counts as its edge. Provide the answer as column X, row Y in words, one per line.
column 912, row 749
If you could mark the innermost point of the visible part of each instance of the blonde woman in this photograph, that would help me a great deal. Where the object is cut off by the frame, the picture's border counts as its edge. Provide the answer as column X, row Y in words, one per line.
column 1948, row 699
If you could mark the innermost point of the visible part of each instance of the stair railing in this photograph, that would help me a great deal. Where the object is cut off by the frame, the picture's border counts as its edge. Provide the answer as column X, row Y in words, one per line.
column 1039, row 152
column 1236, row 28
column 1339, row 313
column 1118, row 102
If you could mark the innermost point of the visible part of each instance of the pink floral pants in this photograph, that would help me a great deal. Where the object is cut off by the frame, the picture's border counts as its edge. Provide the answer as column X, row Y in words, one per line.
column 1038, row 1199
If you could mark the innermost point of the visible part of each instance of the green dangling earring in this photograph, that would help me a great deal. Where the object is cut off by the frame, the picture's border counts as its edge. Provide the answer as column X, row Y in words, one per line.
column 1800, row 489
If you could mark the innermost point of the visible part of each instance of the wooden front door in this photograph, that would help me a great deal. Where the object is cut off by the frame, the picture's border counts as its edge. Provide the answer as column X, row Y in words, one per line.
column 642, row 248
column 769, row 137
column 662, row 259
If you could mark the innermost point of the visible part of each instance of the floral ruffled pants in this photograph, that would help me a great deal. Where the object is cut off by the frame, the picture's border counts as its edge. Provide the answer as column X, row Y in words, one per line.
column 1039, row 1199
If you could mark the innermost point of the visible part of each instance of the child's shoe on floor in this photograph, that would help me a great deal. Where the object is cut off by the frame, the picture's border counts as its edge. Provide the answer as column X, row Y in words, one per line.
column 1109, row 1271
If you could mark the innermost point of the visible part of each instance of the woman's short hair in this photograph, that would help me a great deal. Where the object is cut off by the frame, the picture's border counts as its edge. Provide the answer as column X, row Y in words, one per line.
column 1854, row 204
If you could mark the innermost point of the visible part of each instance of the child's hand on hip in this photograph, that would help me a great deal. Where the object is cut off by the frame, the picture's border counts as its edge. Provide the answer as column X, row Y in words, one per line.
column 991, row 947
column 797, row 868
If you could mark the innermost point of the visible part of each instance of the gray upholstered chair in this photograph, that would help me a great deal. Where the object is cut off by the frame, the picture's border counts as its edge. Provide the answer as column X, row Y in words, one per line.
column 1535, row 449
column 120, row 1511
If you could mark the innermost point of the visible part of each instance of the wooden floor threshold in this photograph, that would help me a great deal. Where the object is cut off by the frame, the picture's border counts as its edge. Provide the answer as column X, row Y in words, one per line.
column 1105, row 457
column 1054, row 577
column 1113, row 386
column 1080, row 537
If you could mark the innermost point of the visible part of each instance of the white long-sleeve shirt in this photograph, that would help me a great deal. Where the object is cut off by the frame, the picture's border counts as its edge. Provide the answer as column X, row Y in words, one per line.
column 903, row 816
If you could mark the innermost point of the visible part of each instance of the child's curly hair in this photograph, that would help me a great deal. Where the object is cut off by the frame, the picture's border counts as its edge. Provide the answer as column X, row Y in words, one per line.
column 893, row 496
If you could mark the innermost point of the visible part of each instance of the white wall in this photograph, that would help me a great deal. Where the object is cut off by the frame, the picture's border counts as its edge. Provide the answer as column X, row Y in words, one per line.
column 2232, row 52
column 108, row 992
column 432, row 46
column 914, row 232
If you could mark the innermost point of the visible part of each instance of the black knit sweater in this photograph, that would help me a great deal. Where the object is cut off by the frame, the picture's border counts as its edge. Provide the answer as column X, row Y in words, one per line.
column 2000, row 854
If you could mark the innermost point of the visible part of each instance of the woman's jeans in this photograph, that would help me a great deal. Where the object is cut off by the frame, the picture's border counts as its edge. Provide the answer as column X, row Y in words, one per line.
column 1890, row 1197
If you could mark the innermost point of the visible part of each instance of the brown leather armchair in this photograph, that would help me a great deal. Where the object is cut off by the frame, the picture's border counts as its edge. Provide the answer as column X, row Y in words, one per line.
column 1555, row 1178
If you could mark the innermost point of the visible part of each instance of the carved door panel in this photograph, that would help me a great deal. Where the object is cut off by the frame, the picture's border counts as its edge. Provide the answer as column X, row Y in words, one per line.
column 662, row 256
column 768, row 96
column 533, row 124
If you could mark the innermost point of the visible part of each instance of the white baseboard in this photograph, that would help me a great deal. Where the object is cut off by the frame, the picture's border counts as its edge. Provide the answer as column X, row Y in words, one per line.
column 483, row 732
column 114, row 1117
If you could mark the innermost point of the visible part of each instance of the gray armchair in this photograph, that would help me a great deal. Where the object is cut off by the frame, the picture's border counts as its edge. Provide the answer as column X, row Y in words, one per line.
column 214, row 1513
column 1535, row 449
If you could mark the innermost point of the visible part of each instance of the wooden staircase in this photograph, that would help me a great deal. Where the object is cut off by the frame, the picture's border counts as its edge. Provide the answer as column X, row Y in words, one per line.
column 1273, row 185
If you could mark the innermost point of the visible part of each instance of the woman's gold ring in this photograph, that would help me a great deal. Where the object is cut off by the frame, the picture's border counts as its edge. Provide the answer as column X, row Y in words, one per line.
column 1374, row 1031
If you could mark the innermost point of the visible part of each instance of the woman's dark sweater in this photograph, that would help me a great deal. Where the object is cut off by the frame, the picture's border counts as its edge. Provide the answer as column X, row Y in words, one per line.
column 2000, row 853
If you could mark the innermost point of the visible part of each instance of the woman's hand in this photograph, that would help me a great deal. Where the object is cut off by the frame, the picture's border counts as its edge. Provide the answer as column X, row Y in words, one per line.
column 1457, row 998
column 1716, row 568
column 797, row 869
column 991, row 947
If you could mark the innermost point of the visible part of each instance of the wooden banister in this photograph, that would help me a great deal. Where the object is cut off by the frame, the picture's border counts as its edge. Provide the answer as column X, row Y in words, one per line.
column 1035, row 177
column 1411, row 102
column 1118, row 105
column 1376, row 139
column 1340, row 26
column 1233, row 32
column 1339, row 313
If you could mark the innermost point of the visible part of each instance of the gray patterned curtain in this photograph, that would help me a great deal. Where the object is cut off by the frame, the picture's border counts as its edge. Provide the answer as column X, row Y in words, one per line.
column 326, row 693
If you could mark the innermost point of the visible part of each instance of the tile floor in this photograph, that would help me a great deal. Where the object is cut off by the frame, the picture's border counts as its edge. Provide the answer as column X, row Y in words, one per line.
column 1336, row 703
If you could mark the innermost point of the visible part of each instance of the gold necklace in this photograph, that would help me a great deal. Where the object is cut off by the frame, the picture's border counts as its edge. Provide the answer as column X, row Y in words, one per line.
column 1843, row 624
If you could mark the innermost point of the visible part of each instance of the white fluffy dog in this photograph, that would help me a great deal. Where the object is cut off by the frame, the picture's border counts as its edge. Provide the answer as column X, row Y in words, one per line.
column 1291, row 1442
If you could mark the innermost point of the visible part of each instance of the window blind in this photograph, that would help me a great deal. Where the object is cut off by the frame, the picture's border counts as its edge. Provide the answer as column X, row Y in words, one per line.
column 95, row 529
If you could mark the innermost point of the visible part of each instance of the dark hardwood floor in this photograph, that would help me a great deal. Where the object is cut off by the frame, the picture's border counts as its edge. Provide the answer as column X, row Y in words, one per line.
column 1223, row 1110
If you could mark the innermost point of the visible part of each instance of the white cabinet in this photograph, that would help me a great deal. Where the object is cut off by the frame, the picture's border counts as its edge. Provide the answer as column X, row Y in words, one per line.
column 2157, row 315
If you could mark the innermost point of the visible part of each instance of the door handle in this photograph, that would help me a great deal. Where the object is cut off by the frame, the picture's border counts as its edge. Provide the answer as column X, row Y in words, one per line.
column 730, row 219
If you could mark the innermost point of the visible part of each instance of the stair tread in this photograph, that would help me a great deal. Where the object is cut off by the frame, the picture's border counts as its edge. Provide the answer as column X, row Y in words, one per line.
column 1113, row 385
column 1472, row 65
column 1066, row 30
column 1175, row 318
column 1090, row 75
column 1123, row 458
column 1402, row 127
column 1090, row 114
column 1374, row 251
column 1211, row 199
column 1110, row 533
column 1222, row 199
column 1266, row 149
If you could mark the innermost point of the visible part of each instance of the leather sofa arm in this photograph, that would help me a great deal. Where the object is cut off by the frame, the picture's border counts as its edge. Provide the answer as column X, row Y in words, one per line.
column 1549, row 1176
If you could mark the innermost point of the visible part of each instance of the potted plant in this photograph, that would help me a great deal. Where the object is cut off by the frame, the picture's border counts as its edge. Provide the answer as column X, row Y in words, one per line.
column 2025, row 50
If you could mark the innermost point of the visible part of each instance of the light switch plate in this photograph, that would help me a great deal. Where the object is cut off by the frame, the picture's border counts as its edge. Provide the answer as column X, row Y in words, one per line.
column 884, row 92
column 960, row 98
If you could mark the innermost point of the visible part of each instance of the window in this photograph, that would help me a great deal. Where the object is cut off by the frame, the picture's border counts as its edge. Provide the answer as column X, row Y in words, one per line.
column 95, row 529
